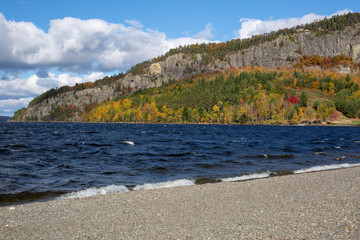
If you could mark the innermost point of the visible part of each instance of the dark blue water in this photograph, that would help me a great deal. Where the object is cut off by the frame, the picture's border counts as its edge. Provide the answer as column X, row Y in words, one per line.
column 44, row 160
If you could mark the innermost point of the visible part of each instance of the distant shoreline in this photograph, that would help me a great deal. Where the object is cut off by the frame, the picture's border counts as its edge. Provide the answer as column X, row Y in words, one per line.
column 203, row 123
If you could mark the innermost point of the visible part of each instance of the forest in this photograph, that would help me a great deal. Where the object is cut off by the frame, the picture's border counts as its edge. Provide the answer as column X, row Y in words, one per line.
column 244, row 96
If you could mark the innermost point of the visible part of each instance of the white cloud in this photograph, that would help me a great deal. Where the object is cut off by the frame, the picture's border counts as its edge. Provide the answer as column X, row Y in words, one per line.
column 206, row 33
column 9, row 106
column 134, row 23
column 250, row 26
column 76, row 45
column 8, row 103
column 16, row 93
column 34, row 85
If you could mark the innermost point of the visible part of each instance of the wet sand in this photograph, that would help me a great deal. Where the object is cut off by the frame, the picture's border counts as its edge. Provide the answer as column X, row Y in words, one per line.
column 319, row 205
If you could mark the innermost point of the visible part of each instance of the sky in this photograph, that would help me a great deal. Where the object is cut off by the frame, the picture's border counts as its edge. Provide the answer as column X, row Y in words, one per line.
column 46, row 44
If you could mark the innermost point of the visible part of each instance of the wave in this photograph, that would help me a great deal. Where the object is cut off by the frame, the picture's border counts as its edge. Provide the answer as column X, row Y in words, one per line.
column 327, row 167
column 247, row 177
column 129, row 143
column 187, row 182
column 94, row 191
column 169, row 184
column 289, row 172
column 113, row 189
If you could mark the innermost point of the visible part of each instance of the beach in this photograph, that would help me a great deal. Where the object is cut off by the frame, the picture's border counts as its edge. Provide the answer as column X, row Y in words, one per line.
column 317, row 205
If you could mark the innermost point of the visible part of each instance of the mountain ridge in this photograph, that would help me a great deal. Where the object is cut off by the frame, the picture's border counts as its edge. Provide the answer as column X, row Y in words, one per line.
column 339, row 35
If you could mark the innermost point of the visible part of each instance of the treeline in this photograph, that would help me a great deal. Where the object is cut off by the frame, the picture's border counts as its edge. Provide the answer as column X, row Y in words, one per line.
column 217, row 51
column 253, row 96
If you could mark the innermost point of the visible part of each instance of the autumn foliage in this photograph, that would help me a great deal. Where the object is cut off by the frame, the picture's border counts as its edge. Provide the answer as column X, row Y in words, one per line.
column 294, row 100
column 249, row 95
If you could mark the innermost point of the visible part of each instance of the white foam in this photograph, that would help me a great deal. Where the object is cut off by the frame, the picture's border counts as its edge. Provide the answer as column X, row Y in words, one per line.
column 95, row 191
column 247, row 177
column 327, row 167
column 169, row 184
column 129, row 142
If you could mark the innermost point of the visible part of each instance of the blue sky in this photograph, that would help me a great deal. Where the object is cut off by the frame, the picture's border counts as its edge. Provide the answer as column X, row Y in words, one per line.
column 47, row 44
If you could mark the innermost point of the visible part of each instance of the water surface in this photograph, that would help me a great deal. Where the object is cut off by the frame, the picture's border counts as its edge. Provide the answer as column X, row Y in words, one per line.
column 47, row 160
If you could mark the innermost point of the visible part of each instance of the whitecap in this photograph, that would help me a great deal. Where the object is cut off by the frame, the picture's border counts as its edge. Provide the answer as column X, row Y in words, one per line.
column 94, row 191
column 337, row 147
column 129, row 142
column 169, row 184
column 247, row 177
column 327, row 167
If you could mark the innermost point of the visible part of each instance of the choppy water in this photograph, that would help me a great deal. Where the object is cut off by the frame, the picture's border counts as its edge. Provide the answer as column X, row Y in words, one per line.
column 40, row 161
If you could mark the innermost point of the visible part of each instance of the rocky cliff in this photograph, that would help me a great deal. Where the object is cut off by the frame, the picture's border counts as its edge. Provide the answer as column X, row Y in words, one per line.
column 284, row 50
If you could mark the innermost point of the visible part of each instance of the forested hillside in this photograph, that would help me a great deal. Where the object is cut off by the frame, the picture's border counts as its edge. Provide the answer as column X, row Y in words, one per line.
column 302, row 74
column 250, row 95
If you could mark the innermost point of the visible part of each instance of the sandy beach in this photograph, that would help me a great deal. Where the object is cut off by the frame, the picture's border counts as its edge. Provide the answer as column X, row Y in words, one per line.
column 319, row 205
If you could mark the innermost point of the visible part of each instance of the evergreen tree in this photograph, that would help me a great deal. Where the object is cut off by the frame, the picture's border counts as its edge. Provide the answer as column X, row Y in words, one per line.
column 303, row 99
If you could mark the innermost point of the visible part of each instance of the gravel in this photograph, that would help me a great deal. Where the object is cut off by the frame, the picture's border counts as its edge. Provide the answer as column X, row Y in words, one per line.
column 320, row 205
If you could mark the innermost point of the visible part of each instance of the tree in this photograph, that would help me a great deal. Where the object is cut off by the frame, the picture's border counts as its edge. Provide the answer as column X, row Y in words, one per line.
column 316, row 104
column 294, row 100
column 310, row 113
column 243, row 118
column 303, row 99
column 358, row 114
column 334, row 116
column 323, row 111
column 185, row 114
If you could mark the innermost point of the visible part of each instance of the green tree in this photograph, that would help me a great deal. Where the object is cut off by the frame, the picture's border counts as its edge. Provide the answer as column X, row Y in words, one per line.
column 185, row 114
column 243, row 118
column 303, row 99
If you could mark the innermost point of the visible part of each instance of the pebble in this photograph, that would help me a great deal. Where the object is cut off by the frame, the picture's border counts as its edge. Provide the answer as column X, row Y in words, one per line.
column 321, row 205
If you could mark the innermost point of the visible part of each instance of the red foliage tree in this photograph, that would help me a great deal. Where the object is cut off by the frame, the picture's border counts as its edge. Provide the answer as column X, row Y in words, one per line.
column 334, row 116
column 294, row 100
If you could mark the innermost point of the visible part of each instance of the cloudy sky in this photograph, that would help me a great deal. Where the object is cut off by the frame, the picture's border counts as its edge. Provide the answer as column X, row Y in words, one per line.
column 48, row 44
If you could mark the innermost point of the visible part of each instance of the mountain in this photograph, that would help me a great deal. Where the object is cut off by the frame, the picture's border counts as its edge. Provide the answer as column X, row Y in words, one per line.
column 330, row 43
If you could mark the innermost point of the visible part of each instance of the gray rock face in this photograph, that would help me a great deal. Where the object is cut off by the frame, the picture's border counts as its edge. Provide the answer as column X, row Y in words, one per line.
column 283, row 51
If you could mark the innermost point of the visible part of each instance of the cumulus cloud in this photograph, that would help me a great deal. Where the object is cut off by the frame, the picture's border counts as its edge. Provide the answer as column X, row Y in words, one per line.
column 251, row 26
column 14, row 87
column 76, row 45
column 9, row 106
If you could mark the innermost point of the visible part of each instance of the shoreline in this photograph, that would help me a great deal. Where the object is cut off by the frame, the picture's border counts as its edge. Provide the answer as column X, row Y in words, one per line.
column 315, row 205
column 201, row 123
column 20, row 199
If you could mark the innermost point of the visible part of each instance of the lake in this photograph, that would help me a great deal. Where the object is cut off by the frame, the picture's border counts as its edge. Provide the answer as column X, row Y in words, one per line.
column 45, row 161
